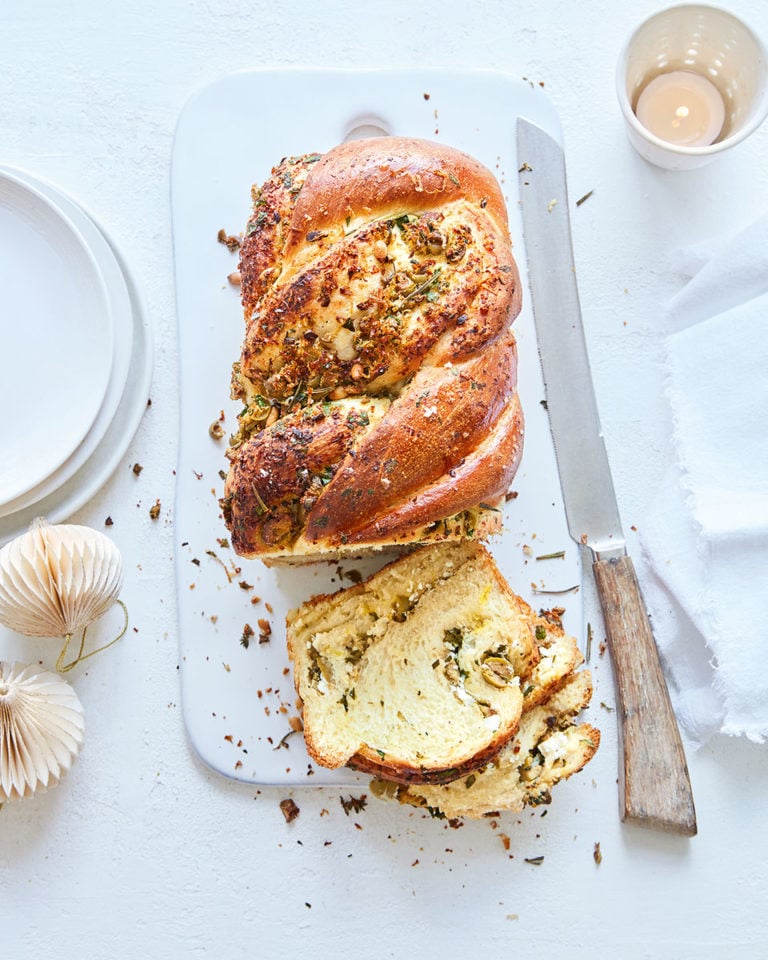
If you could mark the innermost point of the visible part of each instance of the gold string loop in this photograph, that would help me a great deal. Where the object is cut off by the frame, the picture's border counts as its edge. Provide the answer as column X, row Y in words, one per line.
column 66, row 667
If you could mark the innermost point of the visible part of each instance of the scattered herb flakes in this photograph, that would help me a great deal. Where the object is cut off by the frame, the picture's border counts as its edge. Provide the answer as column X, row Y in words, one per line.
column 290, row 811
column 137, row 468
column 536, row 861
column 231, row 242
column 605, row 707
column 574, row 589
column 223, row 543
column 598, row 856
column 245, row 639
column 154, row 510
column 283, row 742
column 525, row 168
column 557, row 555
column 210, row 553
column 583, row 199
column 354, row 576
column 216, row 430
column 588, row 652
column 354, row 804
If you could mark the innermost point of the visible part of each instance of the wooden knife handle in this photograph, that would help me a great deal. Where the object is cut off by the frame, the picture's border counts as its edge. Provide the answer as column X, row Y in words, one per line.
column 654, row 786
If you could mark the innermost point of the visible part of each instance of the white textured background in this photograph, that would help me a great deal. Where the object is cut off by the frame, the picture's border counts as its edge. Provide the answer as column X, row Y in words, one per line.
column 142, row 851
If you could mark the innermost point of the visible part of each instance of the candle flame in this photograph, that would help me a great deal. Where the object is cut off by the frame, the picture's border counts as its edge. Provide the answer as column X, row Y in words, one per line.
column 680, row 114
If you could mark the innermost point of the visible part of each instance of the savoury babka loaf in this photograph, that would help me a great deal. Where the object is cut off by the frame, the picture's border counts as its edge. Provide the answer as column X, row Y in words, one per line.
column 420, row 674
column 378, row 371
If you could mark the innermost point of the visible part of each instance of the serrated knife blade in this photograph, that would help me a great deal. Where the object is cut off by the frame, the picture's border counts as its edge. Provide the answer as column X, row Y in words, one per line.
column 655, row 788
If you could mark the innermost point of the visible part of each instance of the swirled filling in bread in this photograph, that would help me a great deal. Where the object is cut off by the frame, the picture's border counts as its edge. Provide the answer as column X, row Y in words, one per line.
column 434, row 675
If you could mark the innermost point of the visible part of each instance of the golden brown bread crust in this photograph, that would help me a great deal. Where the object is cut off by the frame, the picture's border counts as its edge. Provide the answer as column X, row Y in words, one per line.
column 387, row 175
column 380, row 270
column 367, row 761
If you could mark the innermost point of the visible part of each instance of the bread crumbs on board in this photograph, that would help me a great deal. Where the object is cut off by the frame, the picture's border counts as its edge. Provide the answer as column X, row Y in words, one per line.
column 289, row 809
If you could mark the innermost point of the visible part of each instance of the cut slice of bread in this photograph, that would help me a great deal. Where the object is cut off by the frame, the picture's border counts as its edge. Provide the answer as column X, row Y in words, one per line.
column 558, row 657
column 548, row 747
column 418, row 674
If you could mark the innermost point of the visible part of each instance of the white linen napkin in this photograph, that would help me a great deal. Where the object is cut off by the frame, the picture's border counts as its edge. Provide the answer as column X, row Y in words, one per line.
column 705, row 538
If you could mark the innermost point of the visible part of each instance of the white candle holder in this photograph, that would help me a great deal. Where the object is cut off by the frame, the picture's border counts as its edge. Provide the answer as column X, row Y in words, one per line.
column 716, row 46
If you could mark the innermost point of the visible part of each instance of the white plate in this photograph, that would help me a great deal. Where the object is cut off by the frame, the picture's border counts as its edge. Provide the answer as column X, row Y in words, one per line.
column 123, row 340
column 93, row 462
column 237, row 701
column 57, row 342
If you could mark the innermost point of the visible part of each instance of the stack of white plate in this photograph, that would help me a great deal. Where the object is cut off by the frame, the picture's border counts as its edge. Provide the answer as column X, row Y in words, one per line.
column 75, row 355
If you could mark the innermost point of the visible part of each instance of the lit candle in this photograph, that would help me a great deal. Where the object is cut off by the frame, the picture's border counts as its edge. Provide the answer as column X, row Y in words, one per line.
column 682, row 107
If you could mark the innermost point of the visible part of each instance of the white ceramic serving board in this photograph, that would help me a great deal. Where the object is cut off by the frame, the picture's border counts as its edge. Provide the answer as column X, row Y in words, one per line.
column 238, row 701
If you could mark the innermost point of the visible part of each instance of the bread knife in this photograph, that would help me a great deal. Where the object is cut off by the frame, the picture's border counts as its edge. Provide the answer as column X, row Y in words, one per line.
column 654, row 785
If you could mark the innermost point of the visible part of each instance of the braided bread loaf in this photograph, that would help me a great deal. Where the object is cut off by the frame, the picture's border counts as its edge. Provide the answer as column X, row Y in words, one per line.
column 378, row 372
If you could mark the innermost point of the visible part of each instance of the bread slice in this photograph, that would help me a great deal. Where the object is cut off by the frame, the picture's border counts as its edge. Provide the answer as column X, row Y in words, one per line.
column 418, row 674
column 548, row 747
column 558, row 657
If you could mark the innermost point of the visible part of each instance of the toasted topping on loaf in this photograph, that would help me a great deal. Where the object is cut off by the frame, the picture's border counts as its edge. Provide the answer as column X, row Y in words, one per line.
column 380, row 274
